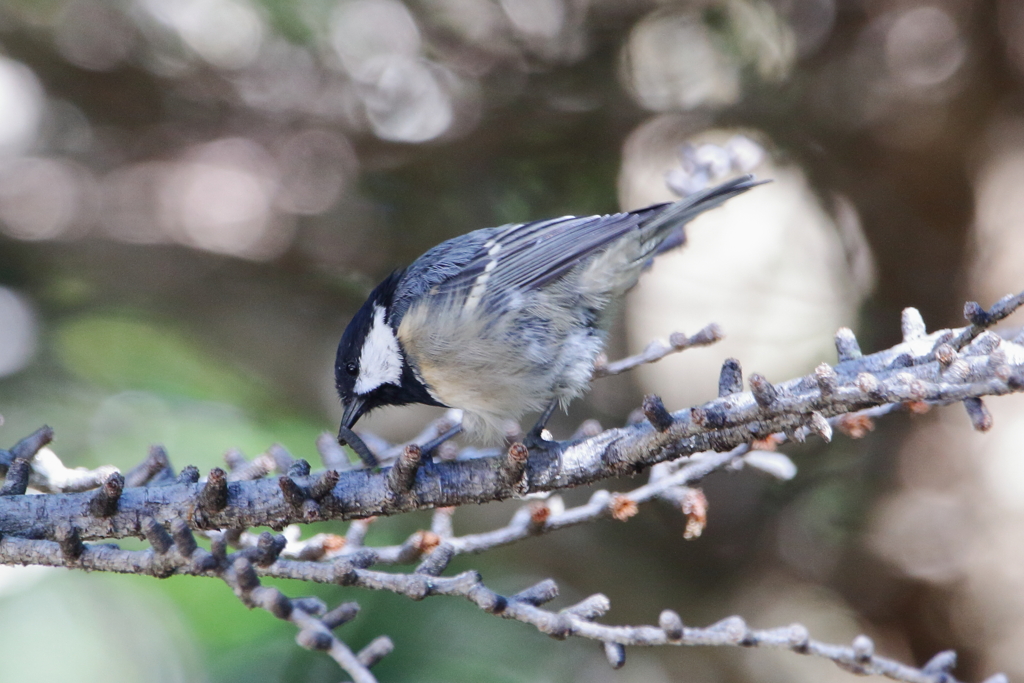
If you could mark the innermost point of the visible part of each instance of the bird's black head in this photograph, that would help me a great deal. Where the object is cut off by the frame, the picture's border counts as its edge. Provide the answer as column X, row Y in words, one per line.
column 371, row 369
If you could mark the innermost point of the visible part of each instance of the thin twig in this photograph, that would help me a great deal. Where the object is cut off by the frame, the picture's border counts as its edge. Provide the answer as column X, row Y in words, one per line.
column 241, row 576
column 657, row 350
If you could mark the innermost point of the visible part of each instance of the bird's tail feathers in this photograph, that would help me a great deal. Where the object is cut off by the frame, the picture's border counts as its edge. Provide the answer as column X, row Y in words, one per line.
column 686, row 209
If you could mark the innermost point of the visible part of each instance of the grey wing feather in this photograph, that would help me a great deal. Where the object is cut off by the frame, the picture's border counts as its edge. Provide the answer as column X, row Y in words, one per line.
column 530, row 255
column 533, row 254
column 439, row 265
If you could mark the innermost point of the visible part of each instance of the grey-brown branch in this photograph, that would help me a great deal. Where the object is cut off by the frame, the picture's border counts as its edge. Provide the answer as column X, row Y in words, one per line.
column 924, row 369
column 242, row 570
column 151, row 502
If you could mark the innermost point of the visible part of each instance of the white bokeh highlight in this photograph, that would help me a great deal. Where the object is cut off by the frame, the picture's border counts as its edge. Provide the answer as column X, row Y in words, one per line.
column 21, row 107
column 225, row 33
column 220, row 198
column 19, row 332
column 772, row 267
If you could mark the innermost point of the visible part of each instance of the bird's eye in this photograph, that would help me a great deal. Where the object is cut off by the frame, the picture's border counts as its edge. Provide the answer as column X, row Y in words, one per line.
column 351, row 369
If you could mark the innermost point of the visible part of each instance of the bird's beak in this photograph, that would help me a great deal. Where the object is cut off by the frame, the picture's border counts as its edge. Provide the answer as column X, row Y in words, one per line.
column 354, row 409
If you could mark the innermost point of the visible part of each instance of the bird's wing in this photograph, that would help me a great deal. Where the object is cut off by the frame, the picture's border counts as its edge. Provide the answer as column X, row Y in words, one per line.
column 530, row 255
column 510, row 257
column 496, row 262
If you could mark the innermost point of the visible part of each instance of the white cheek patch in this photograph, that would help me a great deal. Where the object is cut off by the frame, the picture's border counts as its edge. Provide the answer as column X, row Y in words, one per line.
column 380, row 361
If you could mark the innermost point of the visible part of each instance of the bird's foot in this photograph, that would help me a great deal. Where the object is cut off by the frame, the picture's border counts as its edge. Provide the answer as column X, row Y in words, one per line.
column 534, row 440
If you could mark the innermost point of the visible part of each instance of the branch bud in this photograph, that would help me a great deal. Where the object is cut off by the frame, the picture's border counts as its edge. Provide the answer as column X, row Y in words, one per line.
column 184, row 541
column 763, row 390
column 734, row 628
column 379, row 648
column 293, row 494
column 671, row 624
column 16, row 482
column 656, row 413
column 298, row 469
column 730, row 379
column 945, row 354
column 616, row 654
column 310, row 510
column 342, row 614
column 867, row 383
column 591, row 608
column 981, row 419
column 513, row 468
column 143, row 473
column 799, row 638
column 437, row 561
column 188, row 475
column 283, row 460
column 268, row 549
column 863, row 648
column 976, row 315
column 941, row 663
column 104, row 501
column 402, row 476
column 71, row 546
column 272, row 600
column 820, row 426
column 30, row 445
column 157, row 536
column 214, row 495
column 847, row 347
column 245, row 574
column 709, row 334
column 537, row 594
column 827, row 379
column 912, row 324
column 324, row 485
column 314, row 639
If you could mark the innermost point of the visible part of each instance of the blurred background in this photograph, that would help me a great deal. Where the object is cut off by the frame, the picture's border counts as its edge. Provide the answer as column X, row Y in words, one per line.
column 195, row 195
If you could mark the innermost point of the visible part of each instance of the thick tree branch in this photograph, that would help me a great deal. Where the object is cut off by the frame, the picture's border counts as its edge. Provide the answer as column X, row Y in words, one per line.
column 913, row 371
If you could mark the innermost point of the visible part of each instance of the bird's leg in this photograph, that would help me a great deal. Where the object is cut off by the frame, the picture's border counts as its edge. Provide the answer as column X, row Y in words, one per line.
column 432, row 445
column 533, row 438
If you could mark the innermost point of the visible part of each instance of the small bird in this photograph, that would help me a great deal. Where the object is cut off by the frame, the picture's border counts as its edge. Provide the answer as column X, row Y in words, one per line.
column 505, row 321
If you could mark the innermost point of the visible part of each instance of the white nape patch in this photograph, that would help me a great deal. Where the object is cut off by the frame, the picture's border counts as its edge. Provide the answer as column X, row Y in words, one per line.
column 380, row 361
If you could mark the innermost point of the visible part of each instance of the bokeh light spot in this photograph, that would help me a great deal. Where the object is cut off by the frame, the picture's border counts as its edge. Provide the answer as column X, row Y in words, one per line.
column 924, row 47
column 42, row 198
column 18, row 332
column 542, row 18
column 93, row 35
column 672, row 61
column 405, row 102
column 21, row 106
column 225, row 33
column 219, row 198
column 362, row 30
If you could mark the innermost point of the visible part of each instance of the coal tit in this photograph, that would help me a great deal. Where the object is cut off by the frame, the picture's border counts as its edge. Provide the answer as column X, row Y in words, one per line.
column 504, row 321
